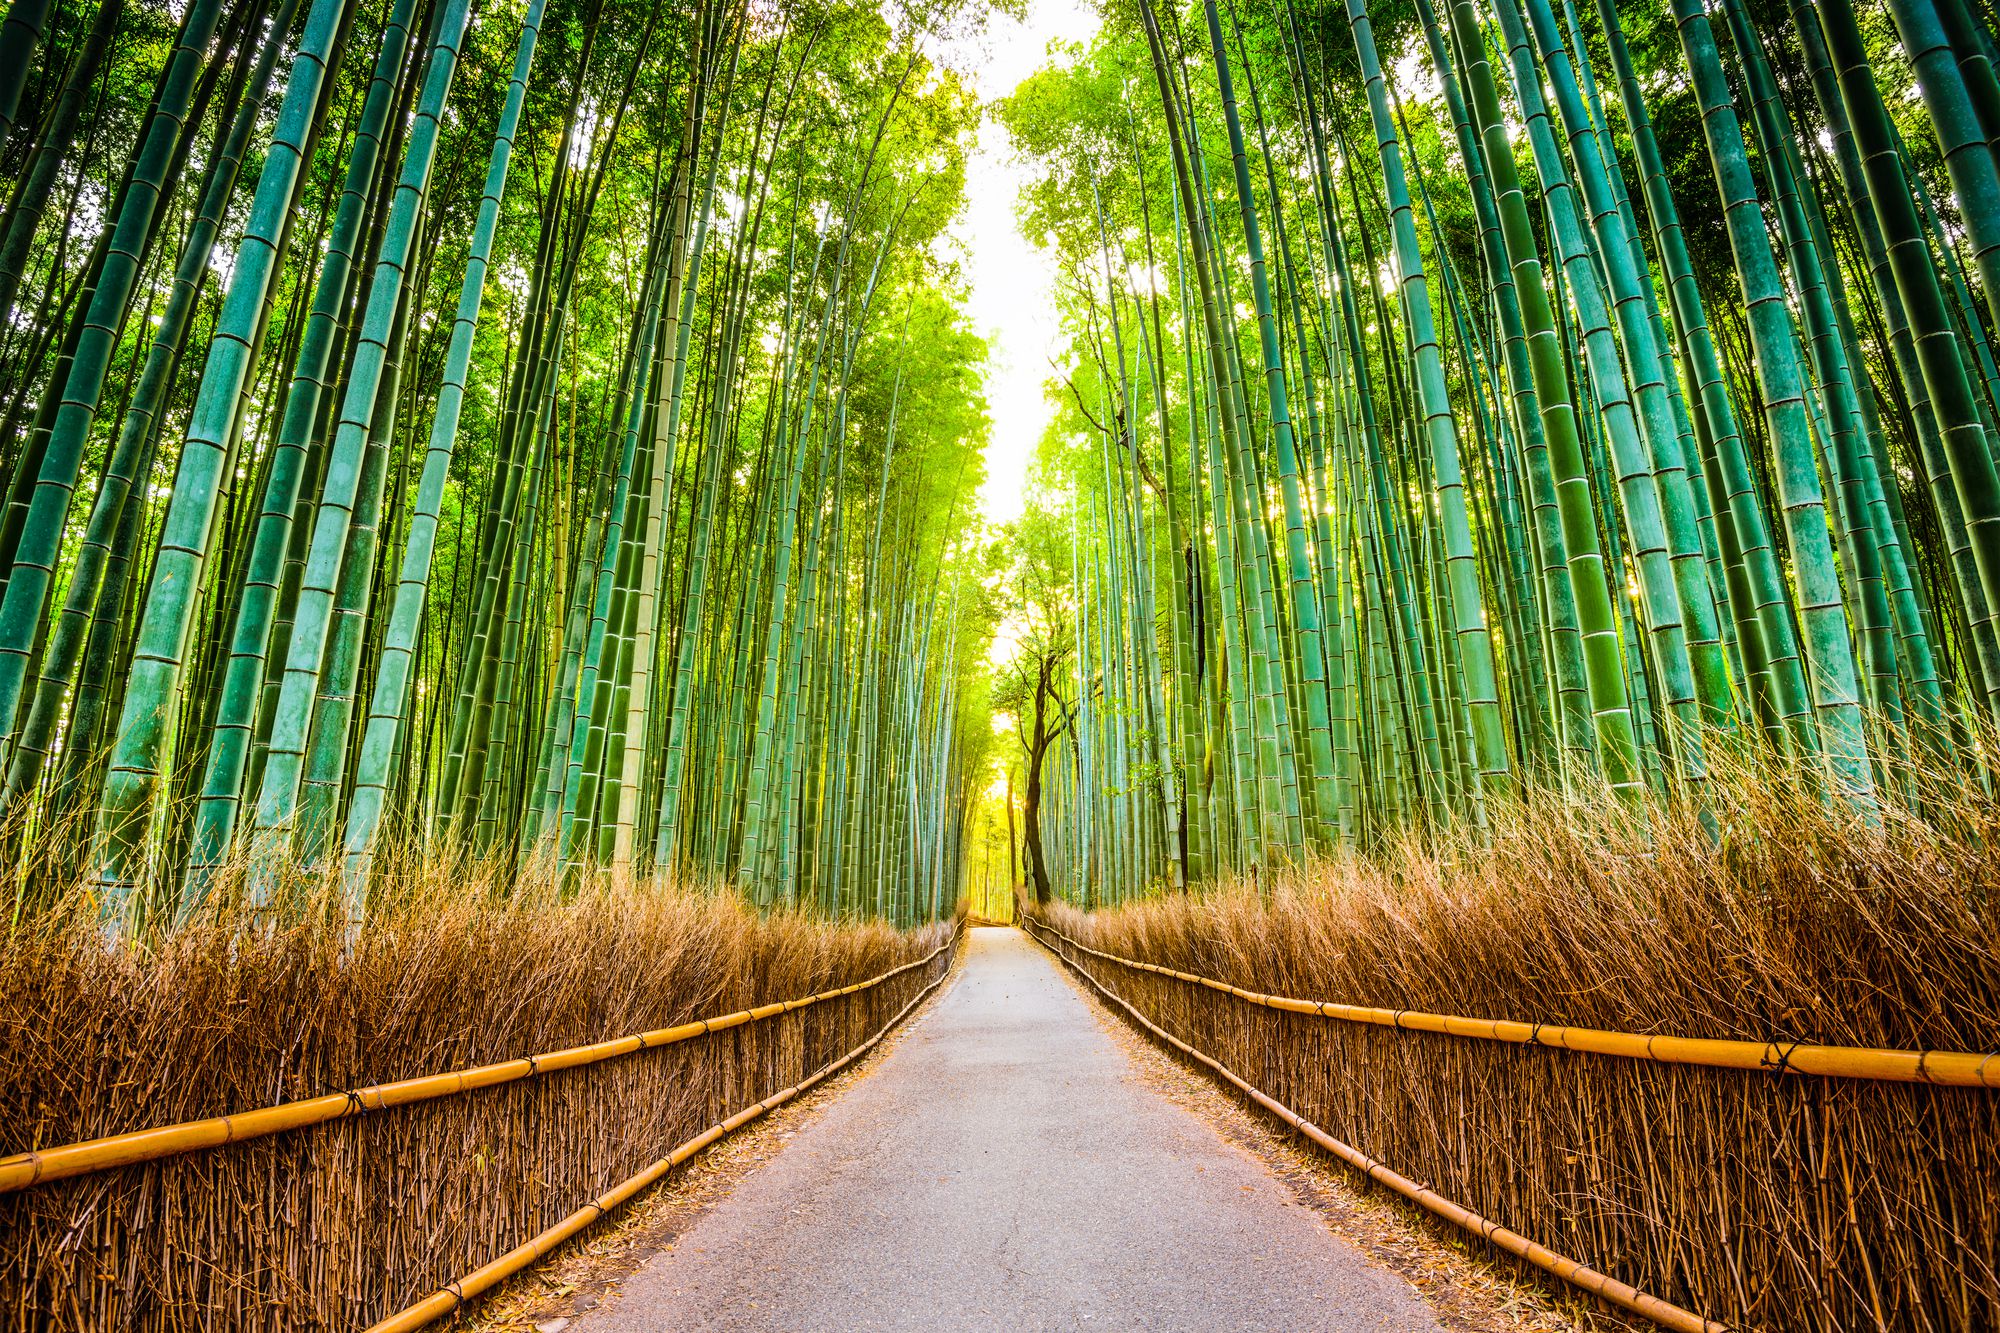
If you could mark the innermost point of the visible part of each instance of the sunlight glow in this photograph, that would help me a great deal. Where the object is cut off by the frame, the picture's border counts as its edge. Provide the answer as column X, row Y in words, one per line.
column 1012, row 298
column 1007, row 635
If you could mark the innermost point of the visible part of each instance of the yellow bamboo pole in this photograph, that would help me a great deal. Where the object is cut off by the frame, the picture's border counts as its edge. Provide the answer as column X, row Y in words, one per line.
column 1946, row 1069
column 23, row 1170
column 1601, row 1285
column 455, row 1295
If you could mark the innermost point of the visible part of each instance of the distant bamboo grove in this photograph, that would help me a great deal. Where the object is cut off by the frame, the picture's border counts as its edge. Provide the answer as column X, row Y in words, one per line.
column 1479, row 401
column 535, row 430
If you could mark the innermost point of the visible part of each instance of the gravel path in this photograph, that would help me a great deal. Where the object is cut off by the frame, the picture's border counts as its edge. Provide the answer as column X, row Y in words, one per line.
column 1006, row 1167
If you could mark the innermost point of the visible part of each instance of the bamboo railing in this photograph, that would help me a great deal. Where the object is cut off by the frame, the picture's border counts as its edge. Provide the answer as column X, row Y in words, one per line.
column 1561, row 1265
column 1947, row 1069
column 1602, row 1285
column 454, row 1295
column 326, row 1211
column 25, row 1169
column 1763, row 1184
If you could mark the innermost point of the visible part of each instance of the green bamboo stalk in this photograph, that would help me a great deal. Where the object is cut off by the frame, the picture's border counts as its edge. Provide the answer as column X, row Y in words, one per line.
column 64, row 652
column 1617, row 737
column 32, row 569
column 1939, row 355
column 132, row 782
column 340, row 492
column 389, row 704
column 1828, row 647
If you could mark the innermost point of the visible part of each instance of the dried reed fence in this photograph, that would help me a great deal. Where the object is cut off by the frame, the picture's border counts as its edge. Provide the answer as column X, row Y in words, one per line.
column 340, row 1224
column 1760, row 1198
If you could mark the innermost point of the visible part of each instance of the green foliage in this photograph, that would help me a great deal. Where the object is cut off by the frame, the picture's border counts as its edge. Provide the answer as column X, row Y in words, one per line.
column 708, row 303
column 1565, row 470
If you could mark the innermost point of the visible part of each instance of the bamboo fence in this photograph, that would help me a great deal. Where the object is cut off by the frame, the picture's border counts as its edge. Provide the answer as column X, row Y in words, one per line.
column 1699, row 1183
column 454, row 1295
column 343, row 1210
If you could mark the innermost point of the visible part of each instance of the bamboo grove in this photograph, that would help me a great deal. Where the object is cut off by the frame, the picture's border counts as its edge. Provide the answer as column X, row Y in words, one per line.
column 527, row 430
column 1471, row 402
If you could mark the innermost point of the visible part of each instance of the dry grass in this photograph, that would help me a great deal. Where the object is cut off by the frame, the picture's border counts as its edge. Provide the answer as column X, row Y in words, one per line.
column 1766, row 1202
column 335, row 1226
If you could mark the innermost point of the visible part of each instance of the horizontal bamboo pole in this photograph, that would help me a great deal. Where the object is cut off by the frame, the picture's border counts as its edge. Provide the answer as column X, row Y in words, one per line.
column 1947, row 1069
column 23, row 1170
column 1598, row 1284
column 455, row 1295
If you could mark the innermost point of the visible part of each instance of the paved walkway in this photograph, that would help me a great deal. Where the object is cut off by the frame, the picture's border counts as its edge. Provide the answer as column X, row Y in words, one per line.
column 1005, row 1167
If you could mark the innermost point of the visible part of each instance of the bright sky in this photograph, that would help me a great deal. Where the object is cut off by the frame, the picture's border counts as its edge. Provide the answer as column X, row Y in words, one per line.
column 1013, row 284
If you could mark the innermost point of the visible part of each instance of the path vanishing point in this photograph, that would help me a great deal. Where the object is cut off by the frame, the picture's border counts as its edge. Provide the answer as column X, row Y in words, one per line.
column 1006, row 1166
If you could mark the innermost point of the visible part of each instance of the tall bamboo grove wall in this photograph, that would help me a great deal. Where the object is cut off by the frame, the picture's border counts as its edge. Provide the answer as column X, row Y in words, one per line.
column 338, row 1225
column 1761, row 1198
